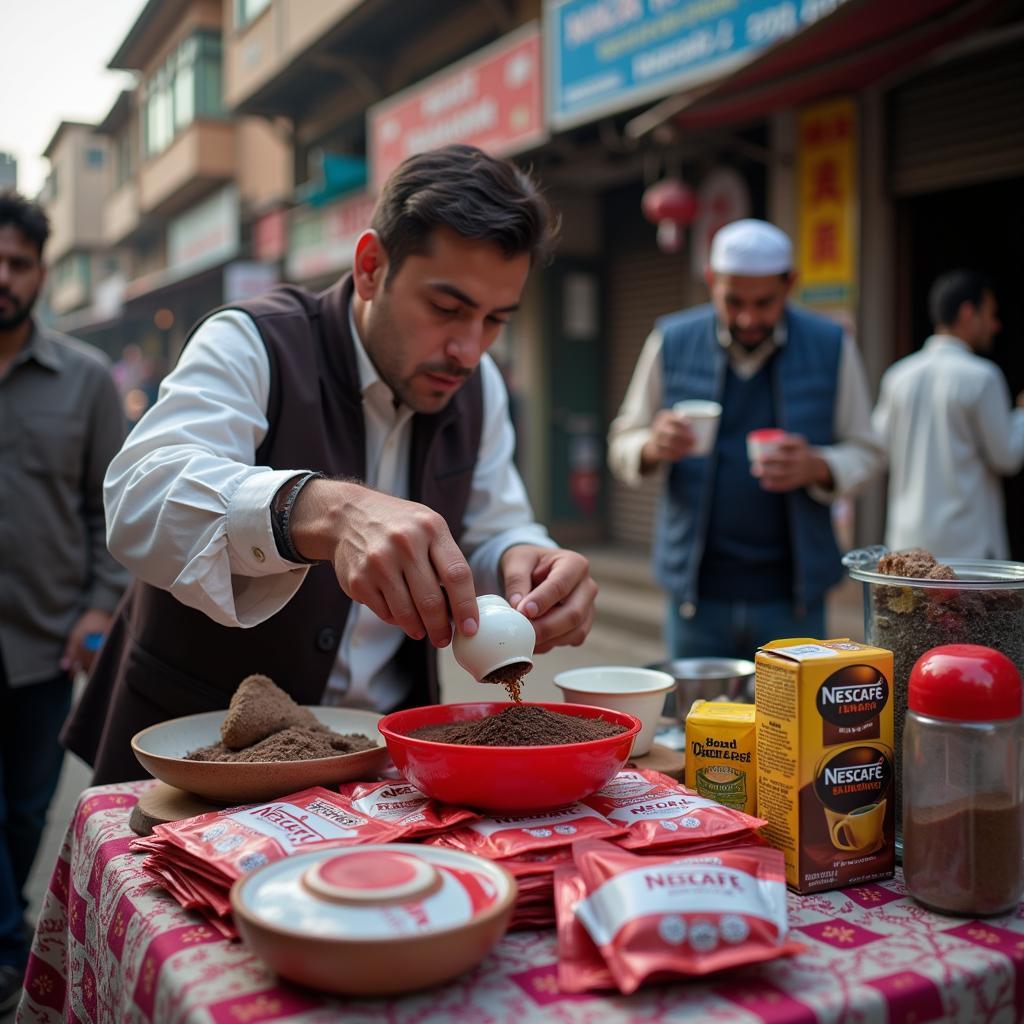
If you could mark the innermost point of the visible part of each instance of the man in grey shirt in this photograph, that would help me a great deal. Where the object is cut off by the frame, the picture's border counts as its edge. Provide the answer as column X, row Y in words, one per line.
column 60, row 425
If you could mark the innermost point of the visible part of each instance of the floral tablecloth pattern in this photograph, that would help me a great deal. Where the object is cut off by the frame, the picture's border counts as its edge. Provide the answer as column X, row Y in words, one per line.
column 112, row 946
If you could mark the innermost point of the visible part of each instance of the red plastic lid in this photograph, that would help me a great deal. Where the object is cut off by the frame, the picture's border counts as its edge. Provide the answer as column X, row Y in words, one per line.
column 371, row 877
column 966, row 683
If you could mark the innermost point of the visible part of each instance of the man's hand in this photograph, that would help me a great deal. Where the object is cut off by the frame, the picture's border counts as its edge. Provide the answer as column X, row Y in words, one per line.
column 397, row 557
column 553, row 588
column 76, row 655
column 671, row 438
column 792, row 464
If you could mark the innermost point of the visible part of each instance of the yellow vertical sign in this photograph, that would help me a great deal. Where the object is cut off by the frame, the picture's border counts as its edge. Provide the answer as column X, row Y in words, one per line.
column 827, row 191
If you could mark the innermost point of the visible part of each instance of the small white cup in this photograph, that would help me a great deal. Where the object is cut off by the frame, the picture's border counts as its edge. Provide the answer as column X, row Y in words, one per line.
column 702, row 418
column 637, row 691
column 764, row 442
column 504, row 637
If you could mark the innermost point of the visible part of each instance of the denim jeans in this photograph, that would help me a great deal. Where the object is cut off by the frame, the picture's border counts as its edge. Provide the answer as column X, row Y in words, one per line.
column 735, row 629
column 30, row 760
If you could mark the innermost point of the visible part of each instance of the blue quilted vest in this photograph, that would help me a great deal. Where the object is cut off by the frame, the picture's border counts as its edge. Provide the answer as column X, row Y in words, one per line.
column 804, row 379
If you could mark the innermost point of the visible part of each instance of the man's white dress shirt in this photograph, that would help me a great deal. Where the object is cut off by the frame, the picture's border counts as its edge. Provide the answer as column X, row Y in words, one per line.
column 189, row 512
column 946, row 417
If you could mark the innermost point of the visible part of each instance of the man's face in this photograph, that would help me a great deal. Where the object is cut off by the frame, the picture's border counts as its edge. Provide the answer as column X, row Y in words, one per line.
column 21, row 277
column 427, row 327
column 750, row 307
column 983, row 323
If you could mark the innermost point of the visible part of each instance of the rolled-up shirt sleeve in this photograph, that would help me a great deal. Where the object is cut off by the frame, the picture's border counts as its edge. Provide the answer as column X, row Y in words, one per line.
column 498, row 514
column 631, row 428
column 186, row 508
column 857, row 456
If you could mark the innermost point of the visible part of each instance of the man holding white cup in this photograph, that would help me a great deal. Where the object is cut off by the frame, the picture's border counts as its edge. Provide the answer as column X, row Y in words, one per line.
column 743, row 544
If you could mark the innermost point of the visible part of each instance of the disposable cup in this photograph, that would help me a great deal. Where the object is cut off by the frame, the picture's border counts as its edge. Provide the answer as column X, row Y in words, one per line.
column 703, row 419
column 762, row 443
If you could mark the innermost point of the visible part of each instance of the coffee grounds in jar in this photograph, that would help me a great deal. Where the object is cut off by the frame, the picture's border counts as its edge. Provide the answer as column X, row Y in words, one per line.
column 909, row 621
column 965, row 857
column 511, row 677
column 520, row 725
column 296, row 743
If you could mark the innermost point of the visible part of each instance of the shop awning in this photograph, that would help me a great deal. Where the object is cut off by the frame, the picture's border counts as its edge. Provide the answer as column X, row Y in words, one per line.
column 859, row 43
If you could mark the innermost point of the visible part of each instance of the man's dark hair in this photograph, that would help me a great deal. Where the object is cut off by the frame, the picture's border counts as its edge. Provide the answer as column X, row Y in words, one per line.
column 28, row 217
column 462, row 188
column 952, row 290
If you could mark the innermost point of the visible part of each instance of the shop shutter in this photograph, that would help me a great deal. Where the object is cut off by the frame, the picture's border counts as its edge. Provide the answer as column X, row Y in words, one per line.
column 643, row 284
column 961, row 124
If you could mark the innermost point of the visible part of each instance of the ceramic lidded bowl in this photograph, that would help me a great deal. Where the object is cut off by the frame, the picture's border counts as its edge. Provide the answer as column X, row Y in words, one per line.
column 374, row 920
column 637, row 691
column 504, row 637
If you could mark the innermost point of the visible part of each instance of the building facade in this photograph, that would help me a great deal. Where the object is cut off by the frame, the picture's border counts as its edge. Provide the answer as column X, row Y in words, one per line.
column 885, row 138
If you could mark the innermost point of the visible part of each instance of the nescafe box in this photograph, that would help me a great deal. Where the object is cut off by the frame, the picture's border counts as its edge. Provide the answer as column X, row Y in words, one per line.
column 825, row 760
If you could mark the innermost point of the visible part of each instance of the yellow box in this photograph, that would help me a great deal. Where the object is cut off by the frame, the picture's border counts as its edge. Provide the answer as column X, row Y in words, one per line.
column 721, row 761
column 825, row 760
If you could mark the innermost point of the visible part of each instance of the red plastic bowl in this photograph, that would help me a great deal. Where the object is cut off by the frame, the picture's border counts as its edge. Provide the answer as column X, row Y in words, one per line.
column 505, row 778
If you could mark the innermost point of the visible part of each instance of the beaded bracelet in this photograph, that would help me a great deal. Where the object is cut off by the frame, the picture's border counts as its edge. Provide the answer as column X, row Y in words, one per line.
column 280, row 521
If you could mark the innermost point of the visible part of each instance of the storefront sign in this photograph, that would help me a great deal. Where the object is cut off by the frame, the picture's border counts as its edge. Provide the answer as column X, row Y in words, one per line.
column 827, row 191
column 270, row 236
column 322, row 241
column 723, row 197
column 245, row 279
column 205, row 235
column 608, row 55
column 493, row 99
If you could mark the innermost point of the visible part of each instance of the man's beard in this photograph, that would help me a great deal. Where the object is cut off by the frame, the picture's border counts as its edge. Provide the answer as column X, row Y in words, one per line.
column 751, row 346
column 19, row 314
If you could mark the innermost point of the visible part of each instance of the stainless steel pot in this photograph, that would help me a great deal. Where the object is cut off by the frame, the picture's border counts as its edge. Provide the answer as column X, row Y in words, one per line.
column 707, row 679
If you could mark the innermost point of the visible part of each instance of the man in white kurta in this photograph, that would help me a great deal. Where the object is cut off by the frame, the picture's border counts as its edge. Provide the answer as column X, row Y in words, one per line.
column 946, row 418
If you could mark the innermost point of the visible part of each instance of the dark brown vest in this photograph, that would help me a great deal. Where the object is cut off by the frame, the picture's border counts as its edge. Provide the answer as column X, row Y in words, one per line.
column 163, row 659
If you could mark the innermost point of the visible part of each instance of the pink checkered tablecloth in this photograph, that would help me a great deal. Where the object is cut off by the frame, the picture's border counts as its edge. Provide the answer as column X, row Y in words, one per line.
column 112, row 946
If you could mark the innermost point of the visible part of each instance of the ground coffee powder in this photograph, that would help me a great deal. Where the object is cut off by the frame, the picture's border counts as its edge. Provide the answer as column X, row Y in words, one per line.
column 296, row 743
column 520, row 725
column 511, row 677
column 965, row 857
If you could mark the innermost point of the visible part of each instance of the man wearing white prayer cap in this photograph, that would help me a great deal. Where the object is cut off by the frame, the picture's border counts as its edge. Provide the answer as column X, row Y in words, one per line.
column 743, row 544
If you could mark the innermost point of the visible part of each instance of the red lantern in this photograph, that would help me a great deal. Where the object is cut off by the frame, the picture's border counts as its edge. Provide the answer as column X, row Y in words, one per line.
column 672, row 205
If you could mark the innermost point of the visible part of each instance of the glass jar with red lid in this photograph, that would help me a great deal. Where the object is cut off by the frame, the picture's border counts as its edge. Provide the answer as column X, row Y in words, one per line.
column 962, row 799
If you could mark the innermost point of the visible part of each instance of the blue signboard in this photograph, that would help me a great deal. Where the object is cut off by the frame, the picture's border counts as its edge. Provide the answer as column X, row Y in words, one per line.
column 608, row 55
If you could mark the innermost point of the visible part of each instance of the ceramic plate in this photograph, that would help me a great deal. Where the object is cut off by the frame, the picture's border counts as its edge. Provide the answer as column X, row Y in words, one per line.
column 161, row 750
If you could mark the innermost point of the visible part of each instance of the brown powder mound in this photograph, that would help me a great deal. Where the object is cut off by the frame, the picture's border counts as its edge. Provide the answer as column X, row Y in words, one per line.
column 915, row 564
column 520, row 725
column 257, row 710
column 296, row 743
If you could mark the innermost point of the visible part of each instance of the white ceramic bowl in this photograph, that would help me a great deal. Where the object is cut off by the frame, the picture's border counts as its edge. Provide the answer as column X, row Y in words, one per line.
column 637, row 691
column 162, row 749
column 505, row 637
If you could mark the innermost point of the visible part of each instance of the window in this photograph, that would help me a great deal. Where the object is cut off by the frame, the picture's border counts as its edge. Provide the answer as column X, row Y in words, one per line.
column 246, row 10
column 94, row 157
column 187, row 86
column 123, row 162
column 72, row 270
